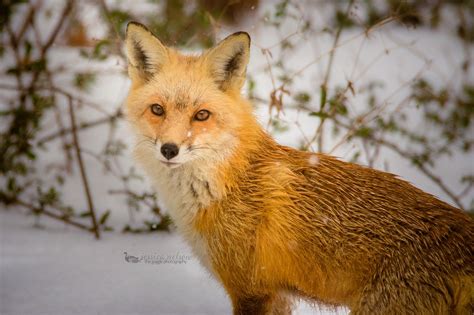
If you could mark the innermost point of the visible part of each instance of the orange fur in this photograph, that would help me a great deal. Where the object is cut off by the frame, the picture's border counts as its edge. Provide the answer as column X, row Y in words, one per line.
column 270, row 221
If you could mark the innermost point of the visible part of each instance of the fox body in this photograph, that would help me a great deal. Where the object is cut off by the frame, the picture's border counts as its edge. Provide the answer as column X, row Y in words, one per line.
column 270, row 222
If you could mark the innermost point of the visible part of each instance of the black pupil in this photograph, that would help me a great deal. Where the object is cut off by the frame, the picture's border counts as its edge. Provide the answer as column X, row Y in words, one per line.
column 202, row 115
column 157, row 109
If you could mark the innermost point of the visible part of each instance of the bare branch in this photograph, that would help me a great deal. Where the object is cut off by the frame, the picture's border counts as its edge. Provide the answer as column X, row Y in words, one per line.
column 324, row 85
column 82, row 126
column 67, row 9
column 51, row 214
column 82, row 168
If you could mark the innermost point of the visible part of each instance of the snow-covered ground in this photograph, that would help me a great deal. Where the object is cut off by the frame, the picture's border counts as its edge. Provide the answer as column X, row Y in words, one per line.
column 58, row 270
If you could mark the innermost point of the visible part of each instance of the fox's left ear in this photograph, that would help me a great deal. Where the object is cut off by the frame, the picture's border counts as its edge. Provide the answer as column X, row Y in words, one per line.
column 145, row 52
column 228, row 61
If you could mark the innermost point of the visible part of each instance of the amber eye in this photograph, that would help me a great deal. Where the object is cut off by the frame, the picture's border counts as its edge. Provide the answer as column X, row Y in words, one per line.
column 157, row 109
column 202, row 115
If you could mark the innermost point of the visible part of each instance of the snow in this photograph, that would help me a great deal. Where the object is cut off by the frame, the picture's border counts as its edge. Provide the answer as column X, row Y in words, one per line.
column 313, row 160
column 57, row 269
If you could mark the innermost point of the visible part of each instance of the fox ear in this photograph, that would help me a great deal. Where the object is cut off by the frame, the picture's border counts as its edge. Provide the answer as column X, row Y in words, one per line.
column 146, row 54
column 228, row 61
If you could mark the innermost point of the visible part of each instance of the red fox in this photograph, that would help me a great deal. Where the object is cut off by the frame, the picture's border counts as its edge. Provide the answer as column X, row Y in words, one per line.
column 272, row 223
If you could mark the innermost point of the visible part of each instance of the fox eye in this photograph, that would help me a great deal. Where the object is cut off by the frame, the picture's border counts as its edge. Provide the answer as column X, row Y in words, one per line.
column 202, row 115
column 157, row 109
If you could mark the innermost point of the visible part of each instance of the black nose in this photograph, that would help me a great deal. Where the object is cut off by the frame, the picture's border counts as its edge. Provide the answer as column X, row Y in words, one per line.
column 169, row 150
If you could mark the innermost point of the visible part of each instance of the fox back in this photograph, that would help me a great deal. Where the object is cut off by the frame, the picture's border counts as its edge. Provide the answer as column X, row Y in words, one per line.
column 270, row 222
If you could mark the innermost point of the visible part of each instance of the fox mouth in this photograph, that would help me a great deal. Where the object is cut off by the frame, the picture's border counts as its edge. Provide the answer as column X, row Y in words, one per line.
column 171, row 164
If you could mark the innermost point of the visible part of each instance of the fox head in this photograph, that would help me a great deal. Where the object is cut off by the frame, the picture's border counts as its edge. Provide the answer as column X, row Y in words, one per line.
column 186, row 108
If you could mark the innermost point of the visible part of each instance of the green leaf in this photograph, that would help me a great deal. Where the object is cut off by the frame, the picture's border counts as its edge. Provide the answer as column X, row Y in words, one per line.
column 84, row 80
column 50, row 197
column 100, row 48
column 11, row 186
column 302, row 97
column 323, row 97
column 104, row 217
column 30, row 154
column 343, row 20
column 36, row 66
column 319, row 114
column 364, row 132
column 85, row 214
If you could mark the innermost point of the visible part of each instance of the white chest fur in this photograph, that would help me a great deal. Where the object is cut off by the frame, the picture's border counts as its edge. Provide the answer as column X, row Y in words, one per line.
column 184, row 191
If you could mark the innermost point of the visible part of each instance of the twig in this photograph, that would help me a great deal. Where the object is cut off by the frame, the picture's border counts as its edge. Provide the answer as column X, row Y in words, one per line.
column 134, row 195
column 466, row 190
column 53, row 88
column 118, row 40
column 110, row 117
column 28, row 19
column 375, row 112
column 57, row 28
column 82, row 169
column 324, row 85
column 407, row 155
column 83, row 126
column 59, row 120
column 18, row 60
column 436, row 179
column 44, row 49
column 52, row 215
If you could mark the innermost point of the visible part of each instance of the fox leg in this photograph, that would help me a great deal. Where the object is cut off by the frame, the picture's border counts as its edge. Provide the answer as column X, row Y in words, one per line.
column 281, row 304
column 258, row 305
column 269, row 304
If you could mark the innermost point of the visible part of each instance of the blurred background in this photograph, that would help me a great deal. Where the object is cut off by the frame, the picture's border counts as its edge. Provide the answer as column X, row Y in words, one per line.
column 387, row 84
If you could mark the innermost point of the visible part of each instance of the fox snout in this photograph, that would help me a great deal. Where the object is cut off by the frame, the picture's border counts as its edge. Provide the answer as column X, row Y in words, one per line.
column 169, row 150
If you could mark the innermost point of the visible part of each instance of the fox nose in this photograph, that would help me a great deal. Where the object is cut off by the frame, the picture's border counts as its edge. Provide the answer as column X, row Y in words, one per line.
column 169, row 150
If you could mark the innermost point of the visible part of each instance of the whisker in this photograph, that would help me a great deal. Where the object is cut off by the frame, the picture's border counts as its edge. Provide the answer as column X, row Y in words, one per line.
column 146, row 136
column 145, row 141
column 202, row 147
